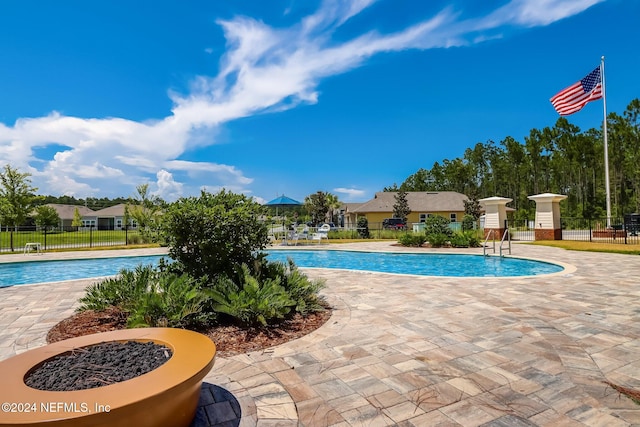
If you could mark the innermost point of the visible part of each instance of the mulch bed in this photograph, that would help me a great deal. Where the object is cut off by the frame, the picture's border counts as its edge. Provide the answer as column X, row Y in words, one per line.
column 86, row 323
column 229, row 339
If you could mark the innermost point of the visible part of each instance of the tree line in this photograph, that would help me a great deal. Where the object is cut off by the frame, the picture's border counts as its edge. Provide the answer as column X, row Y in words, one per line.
column 561, row 159
column 19, row 205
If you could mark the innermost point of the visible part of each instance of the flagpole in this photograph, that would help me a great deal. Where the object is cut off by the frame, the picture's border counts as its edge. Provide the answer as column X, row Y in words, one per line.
column 606, row 146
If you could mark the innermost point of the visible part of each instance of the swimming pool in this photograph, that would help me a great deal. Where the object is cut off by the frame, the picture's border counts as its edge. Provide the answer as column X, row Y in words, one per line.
column 21, row 273
column 426, row 264
column 453, row 265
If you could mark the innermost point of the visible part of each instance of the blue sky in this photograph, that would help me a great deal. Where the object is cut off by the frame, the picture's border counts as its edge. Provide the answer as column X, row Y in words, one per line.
column 288, row 96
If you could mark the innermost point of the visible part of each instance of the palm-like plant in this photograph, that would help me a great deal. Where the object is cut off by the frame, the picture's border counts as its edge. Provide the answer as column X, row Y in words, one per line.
column 334, row 204
column 255, row 303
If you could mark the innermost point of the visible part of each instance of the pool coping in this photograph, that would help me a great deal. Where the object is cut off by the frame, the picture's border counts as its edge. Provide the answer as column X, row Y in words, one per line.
column 567, row 268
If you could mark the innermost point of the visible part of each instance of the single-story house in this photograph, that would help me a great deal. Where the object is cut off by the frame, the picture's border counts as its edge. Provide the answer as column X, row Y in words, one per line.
column 111, row 218
column 423, row 204
column 449, row 204
column 67, row 213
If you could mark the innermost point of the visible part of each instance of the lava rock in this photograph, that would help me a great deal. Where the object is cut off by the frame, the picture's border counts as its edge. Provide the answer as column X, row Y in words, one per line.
column 98, row 365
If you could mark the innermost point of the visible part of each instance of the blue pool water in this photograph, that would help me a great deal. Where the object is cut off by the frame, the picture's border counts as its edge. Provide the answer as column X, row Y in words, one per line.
column 452, row 265
column 19, row 273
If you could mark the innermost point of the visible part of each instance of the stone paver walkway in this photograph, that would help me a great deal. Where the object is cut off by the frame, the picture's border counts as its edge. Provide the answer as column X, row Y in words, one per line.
column 405, row 350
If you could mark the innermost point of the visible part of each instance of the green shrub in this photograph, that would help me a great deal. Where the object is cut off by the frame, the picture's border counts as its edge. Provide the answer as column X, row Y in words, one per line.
column 140, row 238
column 468, row 222
column 120, row 291
column 172, row 301
column 437, row 224
column 134, row 239
column 213, row 234
column 151, row 297
column 459, row 240
column 473, row 238
column 304, row 292
column 412, row 239
column 437, row 240
column 255, row 303
column 363, row 227
column 343, row 234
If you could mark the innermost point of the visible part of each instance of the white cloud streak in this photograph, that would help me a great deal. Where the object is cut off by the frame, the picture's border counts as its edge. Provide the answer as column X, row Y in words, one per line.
column 351, row 193
column 264, row 69
column 532, row 13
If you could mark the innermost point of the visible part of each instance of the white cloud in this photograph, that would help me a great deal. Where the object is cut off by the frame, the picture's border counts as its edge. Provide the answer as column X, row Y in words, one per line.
column 259, row 200
column 167, row 188
column 63, row 185
column 223, row 172
column 351, row 193
column 264, row 69
column 531, row 13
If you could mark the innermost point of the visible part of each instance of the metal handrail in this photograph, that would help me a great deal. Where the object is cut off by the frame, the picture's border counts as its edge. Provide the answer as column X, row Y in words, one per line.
column 484, row 247
column 506, row 235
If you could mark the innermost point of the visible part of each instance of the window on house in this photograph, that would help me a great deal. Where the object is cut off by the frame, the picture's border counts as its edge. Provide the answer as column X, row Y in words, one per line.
column 424, row 216
column 119, row 223
column 454, row 217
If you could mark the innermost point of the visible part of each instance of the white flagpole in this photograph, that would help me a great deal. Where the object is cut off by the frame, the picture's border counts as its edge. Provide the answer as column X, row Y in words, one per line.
column 606, row 147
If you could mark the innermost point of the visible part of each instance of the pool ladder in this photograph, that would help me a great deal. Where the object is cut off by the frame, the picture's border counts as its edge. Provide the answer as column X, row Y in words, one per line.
column 505, row 236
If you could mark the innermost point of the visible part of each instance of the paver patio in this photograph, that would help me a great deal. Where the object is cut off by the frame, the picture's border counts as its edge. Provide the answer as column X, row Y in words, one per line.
column 419, row 351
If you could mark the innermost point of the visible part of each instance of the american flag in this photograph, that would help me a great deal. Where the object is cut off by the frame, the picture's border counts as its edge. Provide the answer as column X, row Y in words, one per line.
column 572, row 99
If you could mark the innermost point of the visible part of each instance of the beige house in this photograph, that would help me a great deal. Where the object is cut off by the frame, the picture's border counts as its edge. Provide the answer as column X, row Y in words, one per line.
column 67, row 212
column 449, row 204
column 111, row 218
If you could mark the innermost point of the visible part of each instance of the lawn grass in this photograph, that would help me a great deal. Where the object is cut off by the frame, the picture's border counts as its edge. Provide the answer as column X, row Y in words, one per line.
column 107, row 248
column 572, row 245
column 65, row 238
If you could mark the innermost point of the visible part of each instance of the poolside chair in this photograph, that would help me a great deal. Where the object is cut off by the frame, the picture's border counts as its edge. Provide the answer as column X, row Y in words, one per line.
column 303, row 233
column 322, row 233
column 297, row 235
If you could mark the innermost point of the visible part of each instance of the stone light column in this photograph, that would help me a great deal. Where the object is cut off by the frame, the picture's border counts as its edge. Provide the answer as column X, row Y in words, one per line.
column 495, row 209
column 547, row 222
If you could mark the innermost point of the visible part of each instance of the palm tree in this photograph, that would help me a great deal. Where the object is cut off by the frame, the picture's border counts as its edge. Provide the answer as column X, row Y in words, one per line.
column 334, row 204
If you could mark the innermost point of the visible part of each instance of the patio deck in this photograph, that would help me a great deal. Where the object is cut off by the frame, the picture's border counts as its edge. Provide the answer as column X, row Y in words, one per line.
column 419, row 351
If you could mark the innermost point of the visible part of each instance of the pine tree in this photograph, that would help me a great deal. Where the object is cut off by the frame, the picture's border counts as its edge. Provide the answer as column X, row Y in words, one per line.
column 401, row 207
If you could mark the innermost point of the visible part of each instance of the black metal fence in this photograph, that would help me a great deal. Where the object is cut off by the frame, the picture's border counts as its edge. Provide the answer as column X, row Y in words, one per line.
column 603, row 230
column 25, row 239
column 521, row 230
column 625, row 230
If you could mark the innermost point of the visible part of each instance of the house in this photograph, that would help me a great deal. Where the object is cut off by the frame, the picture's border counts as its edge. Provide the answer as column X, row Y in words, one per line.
column 449, row 204
column 67, row 213
column 112, row 218
column 345, row 216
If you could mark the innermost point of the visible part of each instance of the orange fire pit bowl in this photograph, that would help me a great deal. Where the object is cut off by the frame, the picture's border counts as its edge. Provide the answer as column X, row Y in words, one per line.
column 167, row 396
